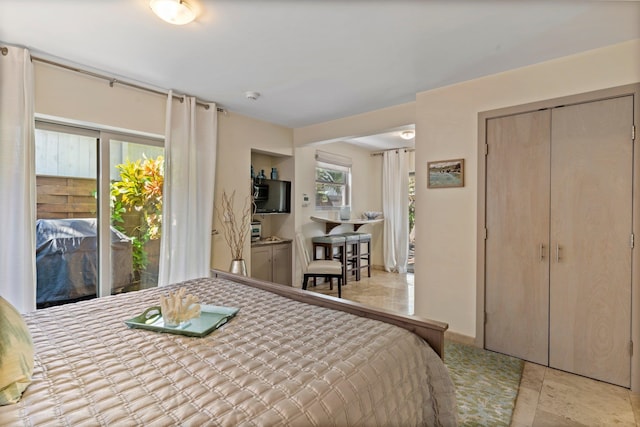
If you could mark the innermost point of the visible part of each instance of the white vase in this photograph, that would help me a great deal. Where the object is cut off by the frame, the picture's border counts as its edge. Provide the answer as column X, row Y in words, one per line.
column 238, row 266
column 345, row 213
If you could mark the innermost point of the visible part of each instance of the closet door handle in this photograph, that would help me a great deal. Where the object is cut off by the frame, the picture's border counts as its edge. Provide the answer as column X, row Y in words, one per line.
column 541, row 252
column 557, row 252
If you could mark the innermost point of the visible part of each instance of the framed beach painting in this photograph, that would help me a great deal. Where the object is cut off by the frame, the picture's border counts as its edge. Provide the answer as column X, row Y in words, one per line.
column 445, row 173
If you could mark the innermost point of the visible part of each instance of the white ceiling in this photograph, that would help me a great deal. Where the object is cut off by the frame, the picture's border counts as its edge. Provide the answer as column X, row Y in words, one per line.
column 313, row 61
column 384, row 141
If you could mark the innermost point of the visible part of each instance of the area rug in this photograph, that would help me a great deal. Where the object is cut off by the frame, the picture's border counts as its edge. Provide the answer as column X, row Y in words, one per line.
column 486, row 384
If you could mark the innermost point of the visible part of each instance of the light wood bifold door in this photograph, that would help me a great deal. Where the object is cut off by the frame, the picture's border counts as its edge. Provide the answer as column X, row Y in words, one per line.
column 591, row 213
column 558, row 253
column 517, row 245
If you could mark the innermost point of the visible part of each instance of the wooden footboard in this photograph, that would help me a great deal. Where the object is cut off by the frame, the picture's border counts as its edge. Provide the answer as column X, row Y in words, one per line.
column 430, row 330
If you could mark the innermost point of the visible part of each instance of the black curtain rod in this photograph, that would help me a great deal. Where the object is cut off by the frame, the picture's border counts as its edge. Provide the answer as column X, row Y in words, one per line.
column 380, row 153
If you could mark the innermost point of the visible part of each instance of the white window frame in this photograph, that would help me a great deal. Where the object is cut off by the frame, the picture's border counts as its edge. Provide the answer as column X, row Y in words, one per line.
column 337, row 163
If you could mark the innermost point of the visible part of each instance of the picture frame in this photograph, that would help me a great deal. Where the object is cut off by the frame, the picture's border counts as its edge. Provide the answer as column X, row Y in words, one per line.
column 445, row 173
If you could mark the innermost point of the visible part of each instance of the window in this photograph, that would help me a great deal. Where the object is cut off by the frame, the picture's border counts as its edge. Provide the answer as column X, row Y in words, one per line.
column 333, row 181
column 77, row 204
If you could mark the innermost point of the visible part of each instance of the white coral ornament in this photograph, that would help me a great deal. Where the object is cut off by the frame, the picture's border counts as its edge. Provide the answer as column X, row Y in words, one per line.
column 179, row 307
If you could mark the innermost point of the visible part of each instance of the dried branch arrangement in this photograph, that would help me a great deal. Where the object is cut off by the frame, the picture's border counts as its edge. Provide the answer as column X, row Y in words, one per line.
column 179, row 307
column 235, row 229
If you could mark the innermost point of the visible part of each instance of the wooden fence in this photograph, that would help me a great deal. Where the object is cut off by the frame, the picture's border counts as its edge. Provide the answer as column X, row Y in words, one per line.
column 62, row 197
column 65, row 197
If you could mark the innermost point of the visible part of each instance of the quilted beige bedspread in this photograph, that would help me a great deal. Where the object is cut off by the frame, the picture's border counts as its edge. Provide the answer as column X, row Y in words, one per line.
column 278, row 362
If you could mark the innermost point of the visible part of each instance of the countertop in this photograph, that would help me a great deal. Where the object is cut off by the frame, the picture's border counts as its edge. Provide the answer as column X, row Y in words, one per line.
column 268, row 241
column 330, row 224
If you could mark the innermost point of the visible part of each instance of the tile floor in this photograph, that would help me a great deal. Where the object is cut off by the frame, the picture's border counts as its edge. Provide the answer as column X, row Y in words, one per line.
column 547, row 397
column 387, row 290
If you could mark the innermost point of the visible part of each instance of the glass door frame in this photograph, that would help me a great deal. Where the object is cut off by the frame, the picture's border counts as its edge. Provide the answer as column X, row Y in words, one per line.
column 104, row 205
column 103, row 137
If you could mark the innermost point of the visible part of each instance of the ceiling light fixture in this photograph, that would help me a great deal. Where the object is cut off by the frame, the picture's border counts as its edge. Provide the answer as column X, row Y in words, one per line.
column 177, row 12
column 407, row 134
column 252, row 95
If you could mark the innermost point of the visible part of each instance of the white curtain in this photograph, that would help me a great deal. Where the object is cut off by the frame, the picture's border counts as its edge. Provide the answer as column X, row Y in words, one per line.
column 395, row 204
column 190, row 160
column 17, row 180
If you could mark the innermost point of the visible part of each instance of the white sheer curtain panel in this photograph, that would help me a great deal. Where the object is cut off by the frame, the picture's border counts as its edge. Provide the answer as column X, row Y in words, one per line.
column 395, row 205
column 190, row 170
column 17, row 180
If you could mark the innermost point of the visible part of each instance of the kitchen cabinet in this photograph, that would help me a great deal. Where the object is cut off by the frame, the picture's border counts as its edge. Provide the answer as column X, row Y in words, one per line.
column 271, row 261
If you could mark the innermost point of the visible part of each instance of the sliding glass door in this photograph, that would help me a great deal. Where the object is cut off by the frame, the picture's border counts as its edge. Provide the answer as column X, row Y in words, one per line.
column 66, row 214
column 136, row 181
column 99, row 202
column 412, row 221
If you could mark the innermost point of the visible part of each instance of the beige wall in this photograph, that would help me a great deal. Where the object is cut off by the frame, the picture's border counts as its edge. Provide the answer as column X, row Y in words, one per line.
column 70, row 95
column 366, row 192
column 366, row 182
column 447, row 127
column 84, row 99
column 366, row 171
column 237, row 136
column 371, row 123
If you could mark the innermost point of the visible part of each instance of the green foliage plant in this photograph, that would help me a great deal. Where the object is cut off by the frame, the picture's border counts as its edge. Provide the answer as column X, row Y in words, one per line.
column 139, row 192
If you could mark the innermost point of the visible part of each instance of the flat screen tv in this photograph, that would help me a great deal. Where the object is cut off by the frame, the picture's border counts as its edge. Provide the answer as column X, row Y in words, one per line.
column 272, row 196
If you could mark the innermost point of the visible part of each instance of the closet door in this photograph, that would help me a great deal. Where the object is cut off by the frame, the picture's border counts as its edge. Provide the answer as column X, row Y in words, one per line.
column 517, row 249
column 591, row 214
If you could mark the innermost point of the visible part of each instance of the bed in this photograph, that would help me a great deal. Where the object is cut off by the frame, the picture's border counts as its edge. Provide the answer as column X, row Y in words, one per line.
column 289, row 357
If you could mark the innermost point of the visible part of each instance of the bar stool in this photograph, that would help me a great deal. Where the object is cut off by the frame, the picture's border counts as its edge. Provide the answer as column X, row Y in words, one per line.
column 333, row 246
column 352, row 254
column 365, row 238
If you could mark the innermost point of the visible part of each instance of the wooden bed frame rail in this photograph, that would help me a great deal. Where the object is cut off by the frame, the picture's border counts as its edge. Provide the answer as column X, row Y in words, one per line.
column 430, row 330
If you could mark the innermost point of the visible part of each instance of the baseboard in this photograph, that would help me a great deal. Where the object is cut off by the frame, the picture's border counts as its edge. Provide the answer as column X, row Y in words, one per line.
column 460, row 338
column 377, row 267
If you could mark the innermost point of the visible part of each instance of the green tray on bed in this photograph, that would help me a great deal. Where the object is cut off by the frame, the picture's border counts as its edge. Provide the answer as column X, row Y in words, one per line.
column 211, row 318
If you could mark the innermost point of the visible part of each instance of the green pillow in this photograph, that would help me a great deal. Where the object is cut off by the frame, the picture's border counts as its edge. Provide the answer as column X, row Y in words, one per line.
column 16, row 354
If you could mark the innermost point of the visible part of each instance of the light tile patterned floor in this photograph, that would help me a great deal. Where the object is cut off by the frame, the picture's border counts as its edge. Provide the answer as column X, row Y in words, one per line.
column 387, row 290
column 547, row 397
